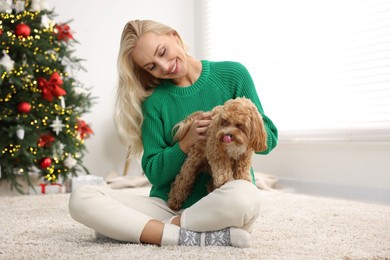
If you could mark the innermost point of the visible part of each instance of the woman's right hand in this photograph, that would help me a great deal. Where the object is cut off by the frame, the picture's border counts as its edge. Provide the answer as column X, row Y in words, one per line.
column 197, row 131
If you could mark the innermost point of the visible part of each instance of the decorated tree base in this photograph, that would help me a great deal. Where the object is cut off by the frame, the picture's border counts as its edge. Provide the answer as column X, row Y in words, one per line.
column 32, row 187
column 23, row 188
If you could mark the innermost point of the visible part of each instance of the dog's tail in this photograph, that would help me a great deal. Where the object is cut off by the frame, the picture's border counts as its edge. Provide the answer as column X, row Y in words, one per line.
column 182, row 128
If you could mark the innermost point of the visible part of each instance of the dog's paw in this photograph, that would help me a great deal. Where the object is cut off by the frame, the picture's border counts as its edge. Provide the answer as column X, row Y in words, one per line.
column 210, row 187
column 174, row 204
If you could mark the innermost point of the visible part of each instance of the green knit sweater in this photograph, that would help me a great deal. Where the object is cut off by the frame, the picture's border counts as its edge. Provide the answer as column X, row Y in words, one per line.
column 169, row 104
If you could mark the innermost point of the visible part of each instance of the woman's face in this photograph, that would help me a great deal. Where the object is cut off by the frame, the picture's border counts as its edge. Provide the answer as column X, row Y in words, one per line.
column 161, row 55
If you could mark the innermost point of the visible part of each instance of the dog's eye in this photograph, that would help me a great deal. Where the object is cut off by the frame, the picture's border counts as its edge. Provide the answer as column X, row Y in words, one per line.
column 240, row 126
column 224, row 122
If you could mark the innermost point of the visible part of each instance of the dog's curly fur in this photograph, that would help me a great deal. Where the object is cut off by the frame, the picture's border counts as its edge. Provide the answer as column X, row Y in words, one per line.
column 224, row 158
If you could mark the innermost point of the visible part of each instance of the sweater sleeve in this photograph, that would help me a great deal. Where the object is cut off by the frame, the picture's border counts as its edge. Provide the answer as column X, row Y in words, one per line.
column 161, row 161
column 246, row 88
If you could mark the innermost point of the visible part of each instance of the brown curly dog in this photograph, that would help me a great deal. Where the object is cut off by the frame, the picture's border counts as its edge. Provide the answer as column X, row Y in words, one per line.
column 235, row 132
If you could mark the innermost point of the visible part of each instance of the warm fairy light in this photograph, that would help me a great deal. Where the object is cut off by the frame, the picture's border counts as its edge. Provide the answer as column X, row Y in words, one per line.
column 11, row 149
column 8, row 97
column 50, row 177
column 53, row 57
column 57, row 107
column 33, row 150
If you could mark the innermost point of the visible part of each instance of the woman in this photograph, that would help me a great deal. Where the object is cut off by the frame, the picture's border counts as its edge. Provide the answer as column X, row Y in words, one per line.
column 159, row 85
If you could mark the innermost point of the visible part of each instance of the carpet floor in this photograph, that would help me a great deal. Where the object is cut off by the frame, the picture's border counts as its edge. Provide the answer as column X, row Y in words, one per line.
column 291, row 226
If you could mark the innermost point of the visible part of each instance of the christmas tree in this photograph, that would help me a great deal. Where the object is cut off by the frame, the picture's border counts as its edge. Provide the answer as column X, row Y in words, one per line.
column 41, row 103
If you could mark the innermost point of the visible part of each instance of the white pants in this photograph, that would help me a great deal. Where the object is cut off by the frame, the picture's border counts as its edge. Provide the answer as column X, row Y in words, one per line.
column 123, row 216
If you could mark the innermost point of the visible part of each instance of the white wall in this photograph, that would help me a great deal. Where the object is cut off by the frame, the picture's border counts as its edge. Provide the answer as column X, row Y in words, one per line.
column 350, row 170
column 98, row 25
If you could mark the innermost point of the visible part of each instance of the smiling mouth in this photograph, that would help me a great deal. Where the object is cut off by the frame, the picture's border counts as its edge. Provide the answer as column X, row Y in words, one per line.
column 174, row 67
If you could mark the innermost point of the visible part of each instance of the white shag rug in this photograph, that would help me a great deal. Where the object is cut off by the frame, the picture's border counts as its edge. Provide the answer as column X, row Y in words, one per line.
column 291, row 226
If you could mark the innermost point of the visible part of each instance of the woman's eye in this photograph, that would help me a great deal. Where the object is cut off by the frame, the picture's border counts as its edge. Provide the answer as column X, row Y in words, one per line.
column 162, row 53
column 151, row 67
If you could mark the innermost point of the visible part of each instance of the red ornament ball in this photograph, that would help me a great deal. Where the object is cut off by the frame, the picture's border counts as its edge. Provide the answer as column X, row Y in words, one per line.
column 22, row 30
column 45, row 162
column 24, row 107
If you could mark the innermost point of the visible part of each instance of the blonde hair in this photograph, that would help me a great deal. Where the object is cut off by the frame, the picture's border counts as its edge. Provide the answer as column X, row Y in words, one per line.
column 134, row 84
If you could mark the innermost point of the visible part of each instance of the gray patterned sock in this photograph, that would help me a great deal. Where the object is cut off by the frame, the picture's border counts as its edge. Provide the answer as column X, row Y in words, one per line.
column 173, row 235
column 189, row 238
column 218, row 238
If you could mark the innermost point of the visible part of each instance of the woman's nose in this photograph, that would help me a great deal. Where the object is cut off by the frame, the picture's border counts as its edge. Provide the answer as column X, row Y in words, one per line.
column 164, row 66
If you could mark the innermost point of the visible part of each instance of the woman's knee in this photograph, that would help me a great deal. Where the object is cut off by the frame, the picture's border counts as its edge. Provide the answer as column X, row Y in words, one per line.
column 78, row 201
column 239, row 205
column 243, row 200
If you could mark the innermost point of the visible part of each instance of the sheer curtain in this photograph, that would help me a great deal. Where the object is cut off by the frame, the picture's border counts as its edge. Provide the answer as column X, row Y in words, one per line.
column 321, row 68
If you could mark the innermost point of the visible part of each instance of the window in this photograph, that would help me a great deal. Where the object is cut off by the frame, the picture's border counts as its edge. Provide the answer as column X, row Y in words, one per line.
column 321, row 68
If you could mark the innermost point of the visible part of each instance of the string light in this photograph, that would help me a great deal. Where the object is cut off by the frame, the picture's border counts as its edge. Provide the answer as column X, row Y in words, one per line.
column 33, row 150
column 11, row 149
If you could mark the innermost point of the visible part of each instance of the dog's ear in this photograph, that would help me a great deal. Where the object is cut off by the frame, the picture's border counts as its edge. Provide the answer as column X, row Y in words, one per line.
column 216, row 111
column 215, row 117
column 258, row 133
